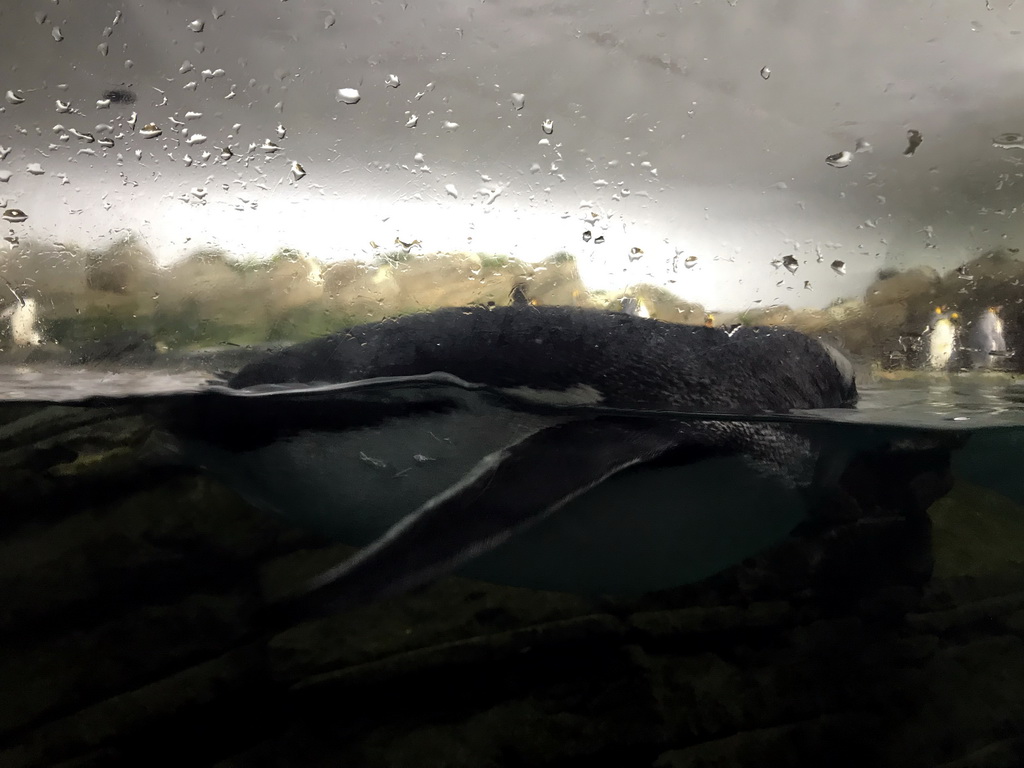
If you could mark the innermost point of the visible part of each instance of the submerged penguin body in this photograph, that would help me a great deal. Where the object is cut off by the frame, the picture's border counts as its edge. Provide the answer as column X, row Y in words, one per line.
column 453, row 468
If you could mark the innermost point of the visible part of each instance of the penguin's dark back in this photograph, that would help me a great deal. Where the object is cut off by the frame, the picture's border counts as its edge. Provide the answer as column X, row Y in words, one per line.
column 629, row 361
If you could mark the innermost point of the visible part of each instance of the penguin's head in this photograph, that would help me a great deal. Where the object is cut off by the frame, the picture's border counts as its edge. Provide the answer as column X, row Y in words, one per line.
column 709, row 320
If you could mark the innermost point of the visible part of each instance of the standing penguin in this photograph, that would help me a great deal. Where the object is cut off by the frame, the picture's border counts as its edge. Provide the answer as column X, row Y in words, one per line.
column 987, row 342
column 435, row 438
column 942, row 338
column 23, row 317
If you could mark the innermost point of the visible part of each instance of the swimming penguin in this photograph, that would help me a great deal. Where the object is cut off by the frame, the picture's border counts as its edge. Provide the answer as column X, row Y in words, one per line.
column 942, row 338
column 987, row 342
column 496, row 419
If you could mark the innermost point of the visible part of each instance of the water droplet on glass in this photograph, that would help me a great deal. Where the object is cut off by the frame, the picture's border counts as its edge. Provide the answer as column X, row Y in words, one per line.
column 198, row 193
column 518, row 100
column 14, row 97
column 863, row 145
column 347, row 96
column 790, row 263
column 195, row 138
column 297, row 171
column 451, row 190
column 226, row 153
column 102, row 103
column 4, row 152
column 411, row 122
column 586, row 235
column 914, row 140
column 1009, row 141
column 599, row 239
column 117, row 18
column 5, row 176
column 138, row 154
column 86, row 137
column 35, row 169
column 269, row 147
column 197, row 26
column 281, row 131
column 392, row 81
column 840, row 159
column 55, row 33
column 14, row 215
column 132, row 119
column 690, row 262
column 450, row 125
column 150, row 131
column 329, row 21
column 839, row 267
column 186, row 66
column 548, row 126
column 103, row 48
column 63, row 106
column 209, row 74
column 766, row 72
column 107, row 31
column 41, row 17
column 218, row 13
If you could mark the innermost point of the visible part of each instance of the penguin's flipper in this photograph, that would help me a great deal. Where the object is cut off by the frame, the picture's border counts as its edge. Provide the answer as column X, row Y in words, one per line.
column 505, row 492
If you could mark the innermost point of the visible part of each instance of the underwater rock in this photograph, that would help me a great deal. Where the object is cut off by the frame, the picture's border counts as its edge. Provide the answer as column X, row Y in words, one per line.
column 823, row 739
column 1008, row 753
column 158, row 542
column 683, row 622
column 61, row 674
column 194, row 700
column 977, row 533
column 966, row 697
column 478, row 650
column 403, row 625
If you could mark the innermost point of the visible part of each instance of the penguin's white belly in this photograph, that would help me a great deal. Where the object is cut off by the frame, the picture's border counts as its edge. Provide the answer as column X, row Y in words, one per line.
column 653, row 528
column 940, row 345
column 353, row 485
column 987, row 342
